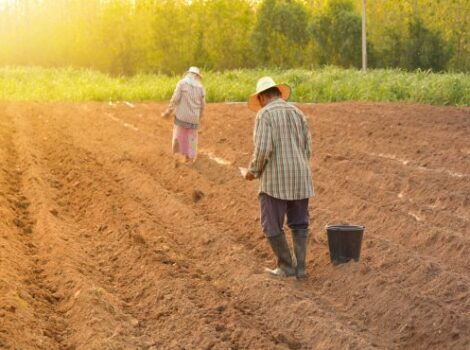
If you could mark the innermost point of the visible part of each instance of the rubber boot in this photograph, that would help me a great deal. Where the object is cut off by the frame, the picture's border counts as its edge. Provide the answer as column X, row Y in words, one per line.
column 284, row 259
column 300, row 240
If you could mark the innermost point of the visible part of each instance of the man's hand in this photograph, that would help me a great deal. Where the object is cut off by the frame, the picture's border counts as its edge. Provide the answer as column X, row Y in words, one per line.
column 165, row 114
column 249, row 176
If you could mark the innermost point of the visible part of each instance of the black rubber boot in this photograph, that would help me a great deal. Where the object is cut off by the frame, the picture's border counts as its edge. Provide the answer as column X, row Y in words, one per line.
column 300, row 240
column 284, row 258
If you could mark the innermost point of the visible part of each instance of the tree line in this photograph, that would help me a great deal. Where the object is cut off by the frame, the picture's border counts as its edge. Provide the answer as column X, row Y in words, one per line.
column 167, row 36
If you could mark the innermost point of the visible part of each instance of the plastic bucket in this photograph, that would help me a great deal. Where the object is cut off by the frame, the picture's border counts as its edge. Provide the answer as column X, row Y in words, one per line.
column 344, row 242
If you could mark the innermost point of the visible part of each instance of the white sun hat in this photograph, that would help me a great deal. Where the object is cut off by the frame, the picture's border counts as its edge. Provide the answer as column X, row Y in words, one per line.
column 264, row 84
column 194, row 70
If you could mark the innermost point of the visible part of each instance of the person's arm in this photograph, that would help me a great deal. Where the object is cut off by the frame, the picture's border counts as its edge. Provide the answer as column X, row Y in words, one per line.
column 203, row 103
column 306, row 134
column 175, row 99
column 308, row 138
column 263, row 148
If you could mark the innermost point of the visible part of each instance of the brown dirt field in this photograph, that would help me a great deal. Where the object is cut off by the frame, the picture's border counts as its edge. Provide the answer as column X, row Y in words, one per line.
column 106, row 244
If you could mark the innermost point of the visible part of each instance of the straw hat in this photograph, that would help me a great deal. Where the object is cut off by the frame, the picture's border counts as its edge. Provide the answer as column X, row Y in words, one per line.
column 264, row 84
column 194, row 70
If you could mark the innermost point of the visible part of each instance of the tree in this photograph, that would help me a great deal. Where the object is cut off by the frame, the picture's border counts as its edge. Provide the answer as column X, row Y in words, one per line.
column 425, row 48
column 224, row 34
column 280, row 33
column 336, row 32
column 175, row 36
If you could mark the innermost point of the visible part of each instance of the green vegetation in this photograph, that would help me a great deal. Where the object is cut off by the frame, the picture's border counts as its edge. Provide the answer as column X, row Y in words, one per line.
column 329, row 84
column 167, row 36
column 137, row 49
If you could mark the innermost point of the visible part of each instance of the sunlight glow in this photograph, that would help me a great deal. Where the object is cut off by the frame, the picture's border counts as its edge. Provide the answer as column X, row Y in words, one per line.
column 3, row 3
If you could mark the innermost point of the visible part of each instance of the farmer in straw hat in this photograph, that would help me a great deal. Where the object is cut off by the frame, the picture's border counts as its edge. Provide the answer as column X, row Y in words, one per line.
column 281, row 162
column 187, row 102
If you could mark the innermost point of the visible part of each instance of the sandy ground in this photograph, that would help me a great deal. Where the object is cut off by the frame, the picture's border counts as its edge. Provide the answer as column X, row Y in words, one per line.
column 106, row 244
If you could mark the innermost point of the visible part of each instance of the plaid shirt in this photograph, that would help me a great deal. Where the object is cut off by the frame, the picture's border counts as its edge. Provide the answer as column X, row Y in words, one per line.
column 282, row 152
column 188, row 101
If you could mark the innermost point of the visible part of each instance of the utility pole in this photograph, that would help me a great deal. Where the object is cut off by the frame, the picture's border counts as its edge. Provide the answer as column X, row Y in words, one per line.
column 364, row 37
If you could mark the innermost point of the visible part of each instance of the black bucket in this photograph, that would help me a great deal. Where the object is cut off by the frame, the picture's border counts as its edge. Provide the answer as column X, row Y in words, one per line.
column 344, row 242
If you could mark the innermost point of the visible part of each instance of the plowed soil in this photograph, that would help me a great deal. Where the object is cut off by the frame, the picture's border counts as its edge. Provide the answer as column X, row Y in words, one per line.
column 107, row 243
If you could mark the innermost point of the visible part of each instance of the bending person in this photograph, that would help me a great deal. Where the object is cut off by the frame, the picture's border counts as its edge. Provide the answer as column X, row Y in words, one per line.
column 187, row 103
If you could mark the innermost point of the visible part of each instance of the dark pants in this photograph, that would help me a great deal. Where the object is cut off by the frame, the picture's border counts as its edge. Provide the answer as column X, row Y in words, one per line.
column 274, row 210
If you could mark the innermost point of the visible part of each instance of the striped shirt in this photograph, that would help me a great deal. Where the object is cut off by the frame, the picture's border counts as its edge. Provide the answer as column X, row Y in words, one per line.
column 282, row 152
column 188, row 101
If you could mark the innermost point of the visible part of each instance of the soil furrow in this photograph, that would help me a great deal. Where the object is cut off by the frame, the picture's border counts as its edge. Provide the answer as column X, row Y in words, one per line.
column 130, row 157
column 107, row 243
column 178, row 232
column 35, row 299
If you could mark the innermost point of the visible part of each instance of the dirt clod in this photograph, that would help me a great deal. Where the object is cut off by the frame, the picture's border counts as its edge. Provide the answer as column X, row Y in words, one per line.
column 197, row 196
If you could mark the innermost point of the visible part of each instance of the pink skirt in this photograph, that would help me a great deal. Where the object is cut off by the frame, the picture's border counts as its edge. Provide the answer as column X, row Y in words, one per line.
column 185, row 141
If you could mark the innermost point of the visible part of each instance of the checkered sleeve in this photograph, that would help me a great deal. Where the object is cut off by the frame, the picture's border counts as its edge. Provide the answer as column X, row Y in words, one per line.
column 308, row 138
column 263, row 146
column 203, row 102
column 175, row 99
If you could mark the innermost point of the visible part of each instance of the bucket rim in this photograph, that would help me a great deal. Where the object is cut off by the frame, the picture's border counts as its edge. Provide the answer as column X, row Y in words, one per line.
column 345, row 227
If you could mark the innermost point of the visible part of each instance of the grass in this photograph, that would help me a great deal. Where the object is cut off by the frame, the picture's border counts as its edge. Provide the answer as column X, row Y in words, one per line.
column 329, row 84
